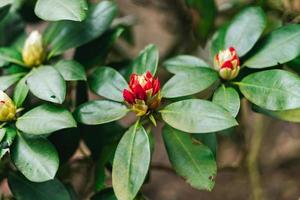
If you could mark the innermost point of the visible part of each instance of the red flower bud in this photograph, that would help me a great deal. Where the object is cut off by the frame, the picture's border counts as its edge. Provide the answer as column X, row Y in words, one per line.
column 143, row 94
column 228, row 63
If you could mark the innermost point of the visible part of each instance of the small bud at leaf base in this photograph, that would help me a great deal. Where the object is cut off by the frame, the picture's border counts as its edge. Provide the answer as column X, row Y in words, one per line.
column 7, row 108
column 34, row 51
column 143, row 94
column 227, row 63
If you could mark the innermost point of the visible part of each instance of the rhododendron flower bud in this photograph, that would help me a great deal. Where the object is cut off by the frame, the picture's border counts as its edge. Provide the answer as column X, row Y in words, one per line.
column 7, row 108
column 143, row 94
column 228, row 63
column 33, row 51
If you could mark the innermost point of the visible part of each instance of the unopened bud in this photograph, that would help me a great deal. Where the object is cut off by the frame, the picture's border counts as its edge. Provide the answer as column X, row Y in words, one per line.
column 33, row 51
column 7, row 108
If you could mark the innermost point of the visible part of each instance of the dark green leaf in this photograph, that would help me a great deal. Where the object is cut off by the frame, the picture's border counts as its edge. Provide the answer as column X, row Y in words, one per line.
column 280, row 46
column 131, row 163
column 61, row 10
column 208, row 139
column 245, row 30
column 36, row 158
column 7, row 140
column 70, row 70
column 20, row 92
column 107, row 194
column 191, row 159
column 189, row 82
column 197, row 116
column 218, row 41
column 10, row 55
column 46, row 83
column 23, row 189
column 8, row 80
column 147, row 60
column 109, row 83
column 100, row 112
column 272, row 89
column 13, row 26
column 228, row 98
column 205, row 10
column 45, row 119
column 67, row 34
column 4, row 8
column 96, row 51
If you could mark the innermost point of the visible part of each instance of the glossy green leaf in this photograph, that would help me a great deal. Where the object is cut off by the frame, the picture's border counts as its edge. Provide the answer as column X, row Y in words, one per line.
column 46, row 83
column 197, row 116
column 272, row 89
column 179, row 63
column 36, row 158
column 45, row 119
column 285, row 115
column 13, row 26
column 100, row 112
column 20, row 92
column 5, row 3
column 71, row 70
column 280, row 46
column 131, row 163
column 245, row 30
column 108, row 82
column 74, row 10
column 190, row 159
column 228, row 98
column 147, row 60
column 9, row 55
column 4, row 8
column 8, row 80
column 189, row 82
column 67, row 34
column 23, row 189
column 106, row 194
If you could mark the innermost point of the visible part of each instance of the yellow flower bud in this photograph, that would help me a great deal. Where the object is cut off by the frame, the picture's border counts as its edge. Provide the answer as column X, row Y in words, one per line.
column 33, row 51
column 7, row 108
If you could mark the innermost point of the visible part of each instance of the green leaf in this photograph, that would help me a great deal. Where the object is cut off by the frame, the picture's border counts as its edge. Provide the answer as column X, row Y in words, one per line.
column 4, row 8
column 285, row 115
column 108, row 82
column 67, row 34
column 280, row 46
column 189, row 82
column 131, row 163
column 96, row 51
column 190, row 159
column 20, row 92
column 11, row 56
column 36, row 158
column 245, row 30
column 179, row 63
column 147, row 60
column 2, row 133
column 45, row 119
column 100, row 112
column 46, row 83
column 71, row 70
column 106, row 194
column 206, row 10
column 7, row 140
column 4, row 3
column 23, row 189
column 13, row 26
column 8, row 80
column 228, row 98
column 197, row 116
column 61, row 10
column 272, row 89
column 218, row 41
column 208, row 139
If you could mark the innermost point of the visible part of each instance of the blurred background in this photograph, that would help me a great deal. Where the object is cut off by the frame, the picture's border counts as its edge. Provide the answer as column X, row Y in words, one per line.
column 266, row 166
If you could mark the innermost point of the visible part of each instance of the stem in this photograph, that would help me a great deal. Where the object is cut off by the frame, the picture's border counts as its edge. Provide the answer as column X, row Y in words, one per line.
column 252, row 159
